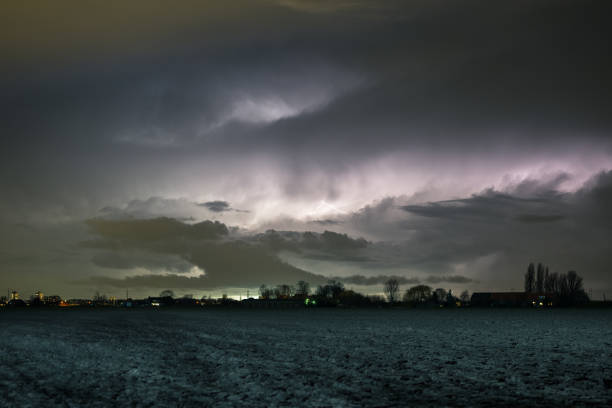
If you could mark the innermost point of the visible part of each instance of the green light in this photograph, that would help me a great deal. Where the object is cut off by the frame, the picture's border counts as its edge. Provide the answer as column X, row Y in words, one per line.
column 307, row 301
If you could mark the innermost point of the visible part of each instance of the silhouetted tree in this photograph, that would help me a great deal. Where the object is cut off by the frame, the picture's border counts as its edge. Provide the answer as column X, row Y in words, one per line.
column 562, row 288
column 336, row 288
column 166, row 293
column 451, row 300
column 417, row 294
column 352, row 298
column 329, row 294
column 324, row 291
column 550, row 282
column 265, row 292
column 574, row 282
column 377, row 300
column 439, row 295
column 283, row 291
column 465, row 296
column 391, row 290
column 530, row 278
column 539, row 284
column 568, row 287
column 571, row 291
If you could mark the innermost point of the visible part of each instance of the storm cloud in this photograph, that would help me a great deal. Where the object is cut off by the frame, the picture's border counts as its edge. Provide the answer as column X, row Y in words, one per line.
column 223, row 262
column 443, row 138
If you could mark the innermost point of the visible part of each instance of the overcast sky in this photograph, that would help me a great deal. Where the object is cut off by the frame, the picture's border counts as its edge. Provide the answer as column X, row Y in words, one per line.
column 453, row 142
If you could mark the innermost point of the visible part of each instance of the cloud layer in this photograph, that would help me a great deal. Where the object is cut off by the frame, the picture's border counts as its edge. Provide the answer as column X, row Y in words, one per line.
column 486, row 238
column 456, row 139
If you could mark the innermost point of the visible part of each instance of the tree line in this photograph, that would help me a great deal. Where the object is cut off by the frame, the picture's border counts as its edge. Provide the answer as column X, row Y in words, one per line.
column 566, row 287
column 334, row 293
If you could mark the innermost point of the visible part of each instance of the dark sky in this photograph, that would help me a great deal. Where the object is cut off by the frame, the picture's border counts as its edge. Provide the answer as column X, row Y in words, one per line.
column 453, row 142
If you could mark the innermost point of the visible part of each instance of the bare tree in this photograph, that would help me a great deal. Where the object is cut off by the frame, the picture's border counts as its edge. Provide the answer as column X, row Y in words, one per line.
column 439, row 295
column 465, row 296
column 574, row 283
column 539, row 284
column 283, row 291
column 333, row 289
column 265, row 292
column 418, row 294
column 562, row 287
column 336, row 288
column 550, row 282
column 569, row 289
column 391, row 290
column 530, row 278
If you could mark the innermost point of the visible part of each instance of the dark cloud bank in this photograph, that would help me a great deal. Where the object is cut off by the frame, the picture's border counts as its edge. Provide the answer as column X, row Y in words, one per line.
column 228, row 261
